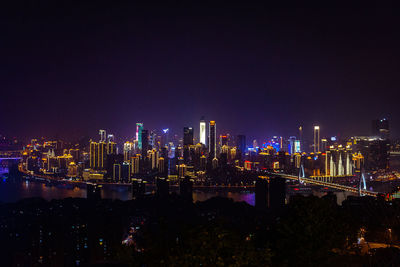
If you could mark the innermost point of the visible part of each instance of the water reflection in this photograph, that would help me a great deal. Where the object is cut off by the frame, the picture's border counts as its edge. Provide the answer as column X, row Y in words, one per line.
column 14, row 191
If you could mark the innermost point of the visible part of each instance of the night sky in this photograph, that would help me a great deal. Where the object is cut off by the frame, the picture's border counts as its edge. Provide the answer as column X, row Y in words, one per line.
column 69, row 70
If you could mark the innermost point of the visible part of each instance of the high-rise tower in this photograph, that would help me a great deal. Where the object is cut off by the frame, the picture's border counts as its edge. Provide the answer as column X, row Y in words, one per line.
column 139, row 129
column 187, row 136
column 202, row 136
column 316, row 139
column 212, row 139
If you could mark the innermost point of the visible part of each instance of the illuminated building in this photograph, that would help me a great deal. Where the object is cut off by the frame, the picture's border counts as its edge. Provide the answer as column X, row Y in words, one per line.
column 316, row 139
column 297, row 146
column 301, row 138
column 125, row 171
column 75, row 153
column 292, row 146
column 214, row 163
column 203, row 162
column 182, row 170
column 202, row 132
column 153, row 155
column 111, row 148
column 324, row 144
column 135, row 164
column 223, row 140
column 139, row 129
column 164, row 137
column 161, row 165
column 110, row 138
column 98, row 154
column 212, row 142
column 338, row 161
column 103, row 136
column 374, row 150
column 144, row 142
column 248, row 165
column 72, row 170
column 187, row 136
column 232, row 154
column 128, row 149
column 152, row 139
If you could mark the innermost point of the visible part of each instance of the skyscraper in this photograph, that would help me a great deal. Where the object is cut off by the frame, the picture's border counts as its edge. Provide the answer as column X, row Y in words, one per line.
column 98, row 154
column 316, row 139
column 103, row 135
column 212, row 139
column 145, row 142
column 139, row 129
column 202, row 132
column 187, row 136
column 164, row 137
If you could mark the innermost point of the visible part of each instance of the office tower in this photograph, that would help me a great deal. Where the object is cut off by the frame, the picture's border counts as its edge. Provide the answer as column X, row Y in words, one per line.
column 316, row 139
column 153, row 155
column 186, row 189
column 128, row 150
column 202, row 136
column 111, row 147
column 144, row 142
column 241, row 143
column 98, row 154
column 380, row 127
column 301, row 138
column 203, row 163
column 324, row 144
column 223, row 140
column 212, row 139
column 110, row 138
column 164, row 137
column 135, row 164
column 125, row 171
column 161, row 165
column 102, row 134
column 139, row 129
column 152, row 139
column 182, row 168
column 297, row 146
column 187, row 136
column 292, row 145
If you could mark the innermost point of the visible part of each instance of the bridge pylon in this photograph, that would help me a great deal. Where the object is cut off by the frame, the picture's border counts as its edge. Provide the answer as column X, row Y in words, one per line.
column 301, row 173
column 362, row 185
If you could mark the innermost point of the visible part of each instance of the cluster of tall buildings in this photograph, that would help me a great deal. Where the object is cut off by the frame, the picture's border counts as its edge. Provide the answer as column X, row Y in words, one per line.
column 151, row 153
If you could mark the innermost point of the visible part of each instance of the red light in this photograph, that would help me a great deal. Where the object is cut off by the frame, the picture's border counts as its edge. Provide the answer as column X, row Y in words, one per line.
column 296, row 189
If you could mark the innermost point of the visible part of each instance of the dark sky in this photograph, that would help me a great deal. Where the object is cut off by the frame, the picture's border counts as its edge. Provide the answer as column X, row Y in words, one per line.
column 71, row 69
